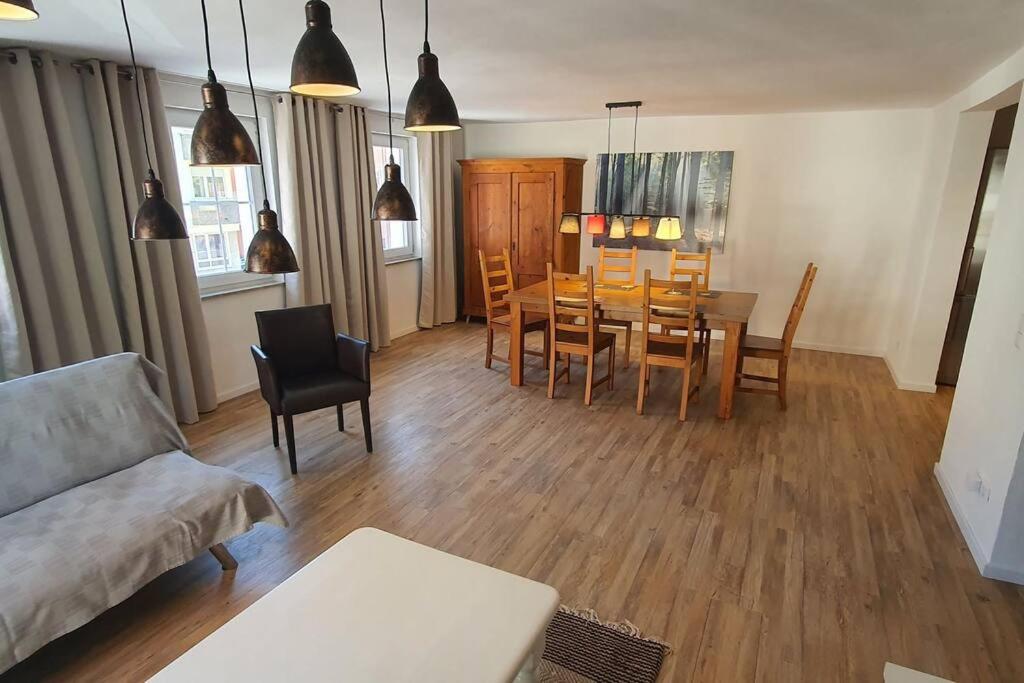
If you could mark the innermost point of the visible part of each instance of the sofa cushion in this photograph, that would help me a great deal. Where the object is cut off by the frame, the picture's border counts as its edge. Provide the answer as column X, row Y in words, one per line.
column 65, row 427
column 68, row 558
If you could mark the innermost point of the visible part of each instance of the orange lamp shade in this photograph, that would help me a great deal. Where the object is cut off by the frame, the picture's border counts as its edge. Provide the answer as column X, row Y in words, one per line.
column 595, row 225
column 618, row 229
column 570, row 224
column 641, row 227
column 669, row 229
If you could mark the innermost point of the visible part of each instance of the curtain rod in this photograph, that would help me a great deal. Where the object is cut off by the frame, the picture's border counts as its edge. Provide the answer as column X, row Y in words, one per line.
column 334, row 107
column 37, row 61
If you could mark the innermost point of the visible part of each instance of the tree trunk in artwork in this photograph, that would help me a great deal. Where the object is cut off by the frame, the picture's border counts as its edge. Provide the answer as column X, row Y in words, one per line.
column 618, row 183
column 690, row 195
column 602, row 183
column 718, row 211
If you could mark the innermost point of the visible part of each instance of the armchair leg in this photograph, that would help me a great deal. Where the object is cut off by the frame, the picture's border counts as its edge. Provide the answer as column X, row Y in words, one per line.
column 289, row 435
column 364, row 408
column 341, row 418
column 273, row 430
column 227, row 562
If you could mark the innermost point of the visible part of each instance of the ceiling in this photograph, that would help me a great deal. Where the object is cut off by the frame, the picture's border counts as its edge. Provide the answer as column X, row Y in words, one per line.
column 563, row 59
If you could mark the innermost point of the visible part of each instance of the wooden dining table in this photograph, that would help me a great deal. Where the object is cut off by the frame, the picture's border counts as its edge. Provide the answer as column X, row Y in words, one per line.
column 724, row 310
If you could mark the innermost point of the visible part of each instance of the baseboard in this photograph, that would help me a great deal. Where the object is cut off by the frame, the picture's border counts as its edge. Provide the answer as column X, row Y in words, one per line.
column 908, row 386
column 838, row 348
column 966, row 530
column 237, row 391
column 993, row 571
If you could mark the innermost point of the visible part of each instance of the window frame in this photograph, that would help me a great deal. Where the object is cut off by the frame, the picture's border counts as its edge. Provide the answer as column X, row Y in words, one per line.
column 410, row 177
column 214, row 284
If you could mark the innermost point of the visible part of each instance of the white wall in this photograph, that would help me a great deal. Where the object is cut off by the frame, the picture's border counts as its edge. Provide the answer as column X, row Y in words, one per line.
column 836, row 188
column 403, row 296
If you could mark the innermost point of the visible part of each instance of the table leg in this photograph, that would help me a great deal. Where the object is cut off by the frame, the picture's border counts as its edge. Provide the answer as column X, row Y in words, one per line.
column 730, row 355
column 515, row 344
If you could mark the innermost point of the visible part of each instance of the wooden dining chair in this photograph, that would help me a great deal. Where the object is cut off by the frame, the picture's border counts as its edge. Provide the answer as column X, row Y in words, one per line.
column 753, row 346
column 571, row 298
column 617, row 267
column 496, row 273
column 695, row 267
column 677, row 312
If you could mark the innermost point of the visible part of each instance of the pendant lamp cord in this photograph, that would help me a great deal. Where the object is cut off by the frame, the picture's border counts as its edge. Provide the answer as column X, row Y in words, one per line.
column 387, row 78
column 608, row 157
column 252, row 91
column 636, row 118
column 426, row 25
column 138, row 88
column 206, row 35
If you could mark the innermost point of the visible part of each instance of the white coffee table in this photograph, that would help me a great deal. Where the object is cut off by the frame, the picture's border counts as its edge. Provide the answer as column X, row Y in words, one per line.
column 376, row 607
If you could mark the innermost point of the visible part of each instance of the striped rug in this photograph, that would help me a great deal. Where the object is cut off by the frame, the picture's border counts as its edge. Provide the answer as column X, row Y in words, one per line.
column 580, row 648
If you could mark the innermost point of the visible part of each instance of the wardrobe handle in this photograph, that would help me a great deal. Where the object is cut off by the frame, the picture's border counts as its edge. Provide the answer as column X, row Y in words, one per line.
column 513, row 245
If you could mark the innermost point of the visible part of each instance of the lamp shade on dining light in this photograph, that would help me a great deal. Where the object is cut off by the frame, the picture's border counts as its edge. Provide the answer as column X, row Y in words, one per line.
column 219, row 138
column 157, row 219
column 18, row 10
column 321, row 66
column 269, row 251
column 669, row 229
column 430, row 108
column 595, row 225
column 642, row 227
column 618, row 229
column 393, row 202
column 570, row 224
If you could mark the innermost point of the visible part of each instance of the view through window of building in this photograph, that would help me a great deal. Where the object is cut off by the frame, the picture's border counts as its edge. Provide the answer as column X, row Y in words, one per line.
column 219, row 209
column 399, row 237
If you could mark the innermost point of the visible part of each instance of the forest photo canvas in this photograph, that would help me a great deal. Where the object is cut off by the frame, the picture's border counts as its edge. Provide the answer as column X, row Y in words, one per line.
column 692, row 185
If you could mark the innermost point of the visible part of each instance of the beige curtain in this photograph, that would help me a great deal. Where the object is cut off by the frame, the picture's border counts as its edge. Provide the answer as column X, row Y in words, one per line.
column 77, row 287
column 327, row 188
column 436, row 153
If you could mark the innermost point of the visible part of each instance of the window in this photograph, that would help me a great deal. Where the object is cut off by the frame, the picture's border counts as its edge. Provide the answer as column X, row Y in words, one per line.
column 399, row 237
column 220, row 206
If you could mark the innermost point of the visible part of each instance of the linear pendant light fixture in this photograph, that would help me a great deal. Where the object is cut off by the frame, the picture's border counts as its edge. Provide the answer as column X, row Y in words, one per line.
column 269, row 251
column 219, row 138
column 393, row 202
column 18, row 10
column 430, row 107
column 157, row 218
column 669, row 227
column 321, row 66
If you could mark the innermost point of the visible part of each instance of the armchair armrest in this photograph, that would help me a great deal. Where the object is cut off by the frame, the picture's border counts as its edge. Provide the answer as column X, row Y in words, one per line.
column 354, row 356
column 269, row 386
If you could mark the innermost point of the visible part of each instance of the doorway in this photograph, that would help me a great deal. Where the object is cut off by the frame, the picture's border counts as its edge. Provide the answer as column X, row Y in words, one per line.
column 989, row 188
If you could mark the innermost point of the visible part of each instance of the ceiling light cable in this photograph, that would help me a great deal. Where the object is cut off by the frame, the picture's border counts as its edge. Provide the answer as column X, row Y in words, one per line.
column 255, row 112
column 138, row 91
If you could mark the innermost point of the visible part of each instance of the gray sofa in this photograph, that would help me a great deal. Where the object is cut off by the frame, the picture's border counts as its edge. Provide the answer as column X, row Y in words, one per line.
column 98, row 496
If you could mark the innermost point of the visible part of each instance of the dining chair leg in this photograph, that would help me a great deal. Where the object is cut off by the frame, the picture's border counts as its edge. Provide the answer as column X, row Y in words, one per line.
column 686, row 395
column 490, row 346
column 783, row 372
column 552, row 373
column 364, row 408
column 341, row 418
column 707, row 351
column 568, row 367
column 641, row 393
column 273, row 429
column 629, row 336
column 547, row 350
column 611, row 367
column 289, row 436
column 588, row 393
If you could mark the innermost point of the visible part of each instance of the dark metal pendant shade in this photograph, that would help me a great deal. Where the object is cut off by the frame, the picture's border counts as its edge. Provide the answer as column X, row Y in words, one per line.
column 157, row 219
column 321, row 66
column 393, row 202
column 18, row 10
column 431, row 107
column 269, row 251
column 219, row 138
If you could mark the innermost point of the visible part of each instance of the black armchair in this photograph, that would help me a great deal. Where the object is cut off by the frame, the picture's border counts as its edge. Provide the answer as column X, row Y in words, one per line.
column 302, row 366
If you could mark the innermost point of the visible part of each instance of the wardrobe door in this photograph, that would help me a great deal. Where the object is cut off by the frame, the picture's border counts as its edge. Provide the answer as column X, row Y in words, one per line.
column 487, row 224
column 533, row 215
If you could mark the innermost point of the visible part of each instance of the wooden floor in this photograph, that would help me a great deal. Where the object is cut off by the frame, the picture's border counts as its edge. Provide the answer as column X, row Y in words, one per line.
column 807, row 545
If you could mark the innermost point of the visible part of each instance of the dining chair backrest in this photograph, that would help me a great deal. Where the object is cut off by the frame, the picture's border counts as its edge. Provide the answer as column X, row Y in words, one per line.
column 797, row 311
column 616, row 266
column 571, row 297
column 685, row 264
column 496, row 273
column 677, row 311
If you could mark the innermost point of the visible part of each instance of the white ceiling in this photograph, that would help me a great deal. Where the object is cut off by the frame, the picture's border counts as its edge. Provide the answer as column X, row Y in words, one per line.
column 563, row 59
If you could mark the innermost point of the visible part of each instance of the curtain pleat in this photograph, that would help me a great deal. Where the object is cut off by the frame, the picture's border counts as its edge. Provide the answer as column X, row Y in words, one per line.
column 437, row 228
column 327, row 190
column 72, row 161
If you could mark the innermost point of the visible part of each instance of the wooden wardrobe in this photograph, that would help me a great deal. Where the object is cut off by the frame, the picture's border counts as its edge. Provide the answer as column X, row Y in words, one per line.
column 517, row 204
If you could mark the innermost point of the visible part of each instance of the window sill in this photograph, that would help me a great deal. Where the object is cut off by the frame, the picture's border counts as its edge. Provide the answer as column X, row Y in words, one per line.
column 214, row 292
column 403, row 259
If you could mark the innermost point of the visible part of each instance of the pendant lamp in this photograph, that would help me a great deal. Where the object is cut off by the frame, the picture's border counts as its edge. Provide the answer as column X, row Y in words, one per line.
column 642, row 227
column 269, row 251
column 618, row 229
column 393, row 202
column 321, row 66
column 219, row 138
column 595, row 224
column 570, row 224
column 430, row 107
column 157, row 218
column 18, row 10
column 669, row 229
